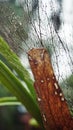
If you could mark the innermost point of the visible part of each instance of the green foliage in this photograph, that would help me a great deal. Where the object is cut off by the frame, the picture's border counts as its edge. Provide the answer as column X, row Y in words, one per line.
column 70, row 81
column 67, row 87
column 13, row 82
column 9, row 101
column 16, row 65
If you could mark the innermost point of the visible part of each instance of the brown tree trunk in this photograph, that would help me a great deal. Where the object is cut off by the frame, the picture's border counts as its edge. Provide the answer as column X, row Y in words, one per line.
column 53, row 106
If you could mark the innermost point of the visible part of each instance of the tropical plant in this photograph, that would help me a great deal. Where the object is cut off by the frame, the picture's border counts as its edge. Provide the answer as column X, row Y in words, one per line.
column 12, row 77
